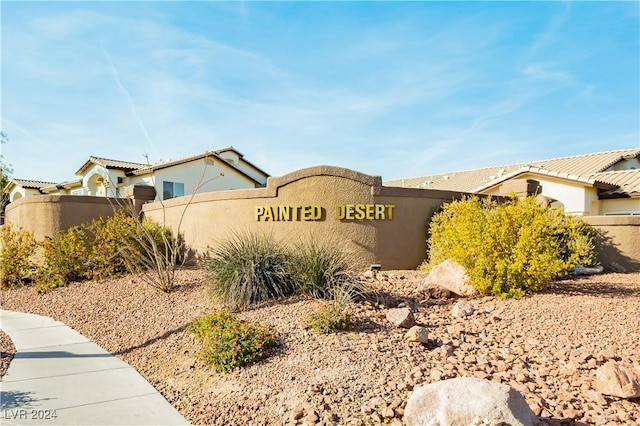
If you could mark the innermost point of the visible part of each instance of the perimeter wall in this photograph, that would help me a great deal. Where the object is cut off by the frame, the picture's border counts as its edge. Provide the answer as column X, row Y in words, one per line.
column 618, row 242
column 45, row 215
column 377, row 224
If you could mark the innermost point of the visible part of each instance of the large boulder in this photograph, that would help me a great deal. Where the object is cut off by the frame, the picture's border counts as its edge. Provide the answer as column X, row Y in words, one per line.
column 451, row 276
column 467, row 400
column 617, row 380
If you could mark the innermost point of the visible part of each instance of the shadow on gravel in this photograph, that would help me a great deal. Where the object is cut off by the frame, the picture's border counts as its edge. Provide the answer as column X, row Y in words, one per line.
column 365, row 325
column 154, row 340
column 588, row 286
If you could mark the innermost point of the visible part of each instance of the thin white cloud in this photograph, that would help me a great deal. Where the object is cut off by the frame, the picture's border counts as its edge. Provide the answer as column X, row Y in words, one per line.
column 540, row 72
column 549, row 36
column 132, row 104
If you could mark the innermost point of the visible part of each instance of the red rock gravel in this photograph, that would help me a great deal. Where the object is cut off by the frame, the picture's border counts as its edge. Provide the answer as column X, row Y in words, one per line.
column 547, row 346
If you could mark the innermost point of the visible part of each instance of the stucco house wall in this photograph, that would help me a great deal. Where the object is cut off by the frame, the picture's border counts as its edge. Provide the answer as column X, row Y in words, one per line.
column 232, row 157
column 101, row 182
column 19, row 192
column 202, row 176
column 576, row 198
column 620, row 206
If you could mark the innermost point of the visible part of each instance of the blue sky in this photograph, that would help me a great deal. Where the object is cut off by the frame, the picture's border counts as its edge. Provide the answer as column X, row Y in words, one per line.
column 397, row 89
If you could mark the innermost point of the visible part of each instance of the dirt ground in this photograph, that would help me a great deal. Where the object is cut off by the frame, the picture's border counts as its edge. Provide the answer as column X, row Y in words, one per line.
column 547, row 346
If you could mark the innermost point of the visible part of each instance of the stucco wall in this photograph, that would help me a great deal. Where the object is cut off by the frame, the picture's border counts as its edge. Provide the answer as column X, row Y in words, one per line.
column 197, row 176
column 619, row 240
column 620, row 206
column 575, row 198
column 45, row 215
column 397, row 242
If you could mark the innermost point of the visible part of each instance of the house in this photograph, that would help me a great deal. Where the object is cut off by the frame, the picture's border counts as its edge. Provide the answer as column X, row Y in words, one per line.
column 603, row 183
column 222, row 169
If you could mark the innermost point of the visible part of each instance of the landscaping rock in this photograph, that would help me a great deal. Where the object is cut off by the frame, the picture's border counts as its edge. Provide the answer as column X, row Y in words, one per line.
column 417, row 334
column 451, row 276
column 462, row 309
column 584, row 270
column 465, row 400
column 617, row 380
column 401, row 317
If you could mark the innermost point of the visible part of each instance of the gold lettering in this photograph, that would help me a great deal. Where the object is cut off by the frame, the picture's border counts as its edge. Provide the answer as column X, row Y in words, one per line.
column 349, row 208
column 370, row 208
column 380, row 212
column 268, row 213
column 339, row 212
column 259, row 212
column 284, row 212
column 390, row 208
column 360, row 211
column 317, row 213
column 306, row 213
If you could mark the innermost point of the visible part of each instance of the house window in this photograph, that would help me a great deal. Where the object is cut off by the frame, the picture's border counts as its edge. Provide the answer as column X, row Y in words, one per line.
column 172, row 189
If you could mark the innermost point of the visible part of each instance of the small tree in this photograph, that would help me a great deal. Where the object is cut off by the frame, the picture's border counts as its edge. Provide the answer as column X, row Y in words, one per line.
column 5, row 177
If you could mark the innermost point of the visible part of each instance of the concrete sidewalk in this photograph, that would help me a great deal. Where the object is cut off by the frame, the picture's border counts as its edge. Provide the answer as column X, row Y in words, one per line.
column 59, row 377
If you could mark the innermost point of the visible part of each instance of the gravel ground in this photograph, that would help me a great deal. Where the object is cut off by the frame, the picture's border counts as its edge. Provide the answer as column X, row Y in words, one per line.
column 547, row 346
column 7, row 351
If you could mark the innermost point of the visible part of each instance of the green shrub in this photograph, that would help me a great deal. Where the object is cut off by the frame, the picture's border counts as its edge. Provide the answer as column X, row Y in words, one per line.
column 321, row 269
column 229, row 343
column 247, row 268
column 65, row 259
column 16, row 251
column 329, row 319
column 509, row 248
column 110, row 238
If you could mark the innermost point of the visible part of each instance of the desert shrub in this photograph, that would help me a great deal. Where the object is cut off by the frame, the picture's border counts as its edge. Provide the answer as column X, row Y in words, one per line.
column 509, row 248
column 16, row 251
column 330, row 318
column 110, row 238
column 321, row 269
column 229, row 343
column 248, row 267
column 65, row 259
column 576, row 239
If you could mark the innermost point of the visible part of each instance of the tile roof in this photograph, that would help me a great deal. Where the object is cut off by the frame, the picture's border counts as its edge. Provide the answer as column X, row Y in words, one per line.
column 588, row 168
column 62, row 185
column 32, row 184
column 111, row 164
column 146, row 168
column 626, row 181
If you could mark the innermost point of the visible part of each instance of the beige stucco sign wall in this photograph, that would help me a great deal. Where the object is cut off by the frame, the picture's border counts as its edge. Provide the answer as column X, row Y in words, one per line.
column 376, row 224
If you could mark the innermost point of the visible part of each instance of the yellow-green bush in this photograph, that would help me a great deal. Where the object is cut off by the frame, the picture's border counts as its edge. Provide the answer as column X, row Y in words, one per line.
column 509, row 248
column 109, row 239
column 65, row 259
column 17, row 248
